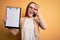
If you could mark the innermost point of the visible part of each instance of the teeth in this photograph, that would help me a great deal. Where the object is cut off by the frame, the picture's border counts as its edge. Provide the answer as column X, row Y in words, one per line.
column 31, row 12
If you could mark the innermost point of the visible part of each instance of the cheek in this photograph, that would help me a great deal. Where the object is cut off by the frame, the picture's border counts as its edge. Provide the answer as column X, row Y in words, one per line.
column 28, row 10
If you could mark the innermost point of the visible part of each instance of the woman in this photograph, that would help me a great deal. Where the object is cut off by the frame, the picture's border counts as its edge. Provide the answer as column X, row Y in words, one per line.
column 30, row 23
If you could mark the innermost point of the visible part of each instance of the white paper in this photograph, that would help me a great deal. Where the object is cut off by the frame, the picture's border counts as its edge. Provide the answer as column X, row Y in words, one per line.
column 13, row 15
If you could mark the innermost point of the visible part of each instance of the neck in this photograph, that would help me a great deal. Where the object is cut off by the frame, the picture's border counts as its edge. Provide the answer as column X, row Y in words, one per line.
column 29, row 17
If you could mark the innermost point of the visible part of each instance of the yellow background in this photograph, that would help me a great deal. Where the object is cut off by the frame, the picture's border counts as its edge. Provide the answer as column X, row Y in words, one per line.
column 50, row 13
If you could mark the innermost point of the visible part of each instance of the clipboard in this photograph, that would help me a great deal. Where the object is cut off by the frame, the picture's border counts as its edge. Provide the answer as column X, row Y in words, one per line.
column 13, row 17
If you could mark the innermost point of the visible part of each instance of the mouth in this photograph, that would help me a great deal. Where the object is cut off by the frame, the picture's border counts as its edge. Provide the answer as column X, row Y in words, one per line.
column 31, row 12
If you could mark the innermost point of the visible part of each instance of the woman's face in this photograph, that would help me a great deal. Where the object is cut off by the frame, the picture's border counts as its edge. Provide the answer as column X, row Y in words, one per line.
column 31, row 9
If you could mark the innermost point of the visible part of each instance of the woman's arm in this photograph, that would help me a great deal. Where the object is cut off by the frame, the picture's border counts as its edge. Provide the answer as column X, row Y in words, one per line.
column 22, row 30
column 41, row 22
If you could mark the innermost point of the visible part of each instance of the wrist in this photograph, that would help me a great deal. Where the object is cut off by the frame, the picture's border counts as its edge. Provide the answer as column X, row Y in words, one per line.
column 38, row 17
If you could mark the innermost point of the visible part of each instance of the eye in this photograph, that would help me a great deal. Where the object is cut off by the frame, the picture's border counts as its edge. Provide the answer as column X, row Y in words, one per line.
column 36, row 9
column 30, row 7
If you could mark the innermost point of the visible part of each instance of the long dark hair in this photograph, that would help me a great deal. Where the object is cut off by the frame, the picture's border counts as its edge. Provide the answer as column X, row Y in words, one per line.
column 34, row 15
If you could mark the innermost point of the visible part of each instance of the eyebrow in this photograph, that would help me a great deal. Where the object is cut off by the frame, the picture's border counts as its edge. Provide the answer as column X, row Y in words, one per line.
column 34, row 8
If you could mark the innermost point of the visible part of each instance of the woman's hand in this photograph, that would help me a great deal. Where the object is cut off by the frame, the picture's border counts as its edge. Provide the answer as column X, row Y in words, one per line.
column 5, row 18
column 36, row 11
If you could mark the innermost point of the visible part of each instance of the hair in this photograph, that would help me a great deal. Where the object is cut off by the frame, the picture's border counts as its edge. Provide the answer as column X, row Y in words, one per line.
column 34, row 15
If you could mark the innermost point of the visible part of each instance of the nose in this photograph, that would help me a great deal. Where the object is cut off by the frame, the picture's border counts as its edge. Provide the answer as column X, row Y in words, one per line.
column 32, row 9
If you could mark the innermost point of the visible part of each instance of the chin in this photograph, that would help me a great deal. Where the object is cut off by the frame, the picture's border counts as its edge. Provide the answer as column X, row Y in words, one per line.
column 30, row 15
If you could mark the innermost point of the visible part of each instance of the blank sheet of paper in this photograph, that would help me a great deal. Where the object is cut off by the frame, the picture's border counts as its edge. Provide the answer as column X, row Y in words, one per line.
column 13, row 16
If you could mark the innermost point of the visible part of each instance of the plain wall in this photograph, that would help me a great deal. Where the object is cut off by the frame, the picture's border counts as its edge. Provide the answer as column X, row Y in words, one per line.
column 49, row 9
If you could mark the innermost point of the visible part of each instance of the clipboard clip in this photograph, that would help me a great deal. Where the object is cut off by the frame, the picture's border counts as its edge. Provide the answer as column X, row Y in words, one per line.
column 9, row 7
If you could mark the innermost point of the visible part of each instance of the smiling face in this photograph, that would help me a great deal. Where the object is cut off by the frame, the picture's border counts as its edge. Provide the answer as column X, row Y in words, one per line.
column 32, row 7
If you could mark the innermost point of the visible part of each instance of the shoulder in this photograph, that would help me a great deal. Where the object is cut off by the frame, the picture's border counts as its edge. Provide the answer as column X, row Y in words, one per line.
column 21, row 19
